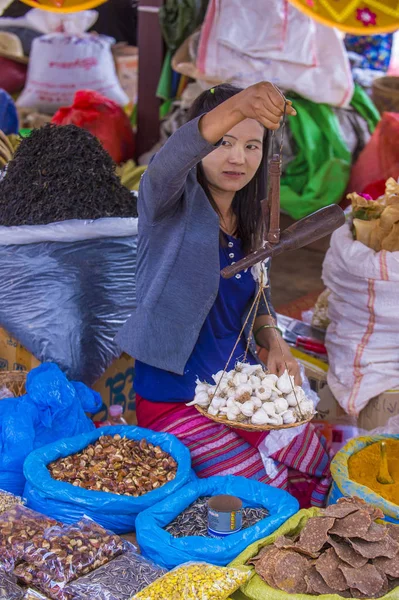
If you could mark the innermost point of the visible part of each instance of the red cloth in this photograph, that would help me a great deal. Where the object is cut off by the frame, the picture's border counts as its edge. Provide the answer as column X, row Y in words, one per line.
column 301, row 468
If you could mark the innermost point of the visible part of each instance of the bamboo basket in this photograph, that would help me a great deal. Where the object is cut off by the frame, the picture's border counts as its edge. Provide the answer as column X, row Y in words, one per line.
column 386, row 94
column 14, row 380
column 249, row 426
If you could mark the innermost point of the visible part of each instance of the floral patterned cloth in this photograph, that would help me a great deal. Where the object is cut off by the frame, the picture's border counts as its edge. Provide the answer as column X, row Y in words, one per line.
column 375, row 50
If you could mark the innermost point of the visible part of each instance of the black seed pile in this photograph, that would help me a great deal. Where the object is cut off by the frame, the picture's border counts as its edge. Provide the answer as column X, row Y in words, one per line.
column 60, row 173
column 194, row 519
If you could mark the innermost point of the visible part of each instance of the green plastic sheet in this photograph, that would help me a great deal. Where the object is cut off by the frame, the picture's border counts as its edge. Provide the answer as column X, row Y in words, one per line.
column 319, row 174
column 179, row 19
column 257, row 589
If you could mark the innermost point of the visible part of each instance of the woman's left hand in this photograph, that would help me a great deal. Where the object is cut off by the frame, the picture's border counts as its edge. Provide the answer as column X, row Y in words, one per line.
column 280, row 357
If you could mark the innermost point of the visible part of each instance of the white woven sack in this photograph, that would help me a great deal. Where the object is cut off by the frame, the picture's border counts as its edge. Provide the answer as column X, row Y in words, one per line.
column 61, row 64
column 363, row 337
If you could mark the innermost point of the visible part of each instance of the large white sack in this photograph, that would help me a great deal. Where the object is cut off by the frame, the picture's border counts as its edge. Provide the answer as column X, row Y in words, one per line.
column 311, row 59
column 363, row 337
column 61, row 64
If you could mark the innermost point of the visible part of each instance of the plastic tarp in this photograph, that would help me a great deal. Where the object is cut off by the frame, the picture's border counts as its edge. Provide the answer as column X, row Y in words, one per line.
column 67, row 503
column 52, row 408
column 344, row 486
column 66, row 288
column 169, row 551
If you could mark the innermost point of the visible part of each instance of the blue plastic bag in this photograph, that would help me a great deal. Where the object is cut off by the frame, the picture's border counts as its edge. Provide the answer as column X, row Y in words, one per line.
column 344, row 486
column 52, row 409
column 170, row 552
column 8, row 114
column 67, row 503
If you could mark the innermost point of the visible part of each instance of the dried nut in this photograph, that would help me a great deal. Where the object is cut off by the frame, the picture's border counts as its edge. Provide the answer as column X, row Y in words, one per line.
column 117, row 465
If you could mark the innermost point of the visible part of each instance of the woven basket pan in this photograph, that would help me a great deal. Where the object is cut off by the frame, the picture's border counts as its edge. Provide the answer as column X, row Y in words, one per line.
column 248, row 426
column 386, row 94
column 14, row 381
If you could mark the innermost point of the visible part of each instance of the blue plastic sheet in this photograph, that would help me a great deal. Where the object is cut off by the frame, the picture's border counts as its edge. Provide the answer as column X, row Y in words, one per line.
column 67, row 503
column 52, row 408
column 169, row 551
column 344, row 486
column 8, row 114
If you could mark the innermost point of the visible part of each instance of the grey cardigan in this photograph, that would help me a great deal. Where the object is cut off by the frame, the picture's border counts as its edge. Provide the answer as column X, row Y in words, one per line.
column 178, row 269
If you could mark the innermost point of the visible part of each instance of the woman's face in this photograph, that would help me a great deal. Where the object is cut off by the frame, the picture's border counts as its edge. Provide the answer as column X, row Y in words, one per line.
column 231, row 166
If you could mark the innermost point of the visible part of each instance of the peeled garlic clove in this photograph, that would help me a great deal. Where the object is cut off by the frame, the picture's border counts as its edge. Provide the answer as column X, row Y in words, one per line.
column 288, row 417
column 255, row 382
column 218, row 402
column 232, row 416
column 201, row 387
column 240, row 378
column 218, row 377
column 248, row 408
column 306, row 408
column 271, row 377
column 256, row 401
column 285, row 383
column 281, row 405
column 269, row 409
column 202, row 399
column 213, row 411
column 263, row 393
column 277, row 420
column 260, row 417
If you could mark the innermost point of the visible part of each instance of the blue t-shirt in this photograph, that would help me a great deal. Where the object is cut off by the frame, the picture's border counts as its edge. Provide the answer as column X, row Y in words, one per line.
column 215, row 342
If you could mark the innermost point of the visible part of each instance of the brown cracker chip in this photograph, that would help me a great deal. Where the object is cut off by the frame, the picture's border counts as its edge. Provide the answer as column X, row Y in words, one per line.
column 328, row 566
column 289, row 573
column 343, row 508
column 287, row 543
column 316, row 583
column 315, row 534
column 375, row 533
column 386, row 547
column 389, row 566
column 354, row 525
column 367, row 580
column 346, row 553
column 393, row 531
column 265, row 564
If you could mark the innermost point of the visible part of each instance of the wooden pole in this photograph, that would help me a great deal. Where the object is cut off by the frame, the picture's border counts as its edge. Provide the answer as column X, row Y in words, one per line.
column 151, row 56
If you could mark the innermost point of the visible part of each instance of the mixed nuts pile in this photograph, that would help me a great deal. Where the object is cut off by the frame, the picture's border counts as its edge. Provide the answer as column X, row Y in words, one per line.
column 118, row 465
column 341, row 551
column 248, row 394
column 8, row 500
column 65, row 553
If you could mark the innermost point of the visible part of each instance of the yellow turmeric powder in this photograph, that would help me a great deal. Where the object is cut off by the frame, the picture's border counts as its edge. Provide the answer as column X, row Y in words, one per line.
column 364, row 467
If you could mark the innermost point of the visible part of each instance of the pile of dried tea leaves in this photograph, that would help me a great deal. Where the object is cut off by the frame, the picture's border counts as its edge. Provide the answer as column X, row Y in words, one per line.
column 60, row 173
column 341, row 551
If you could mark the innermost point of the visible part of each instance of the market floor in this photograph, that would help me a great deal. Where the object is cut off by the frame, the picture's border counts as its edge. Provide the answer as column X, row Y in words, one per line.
column 298, row 273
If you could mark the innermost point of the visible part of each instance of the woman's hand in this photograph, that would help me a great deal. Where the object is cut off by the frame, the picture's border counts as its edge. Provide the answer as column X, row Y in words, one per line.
column 264, row 103
column 279, row 356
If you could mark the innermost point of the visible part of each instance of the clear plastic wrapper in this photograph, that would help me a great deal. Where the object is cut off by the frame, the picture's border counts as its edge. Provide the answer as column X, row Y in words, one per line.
column 20, row 525
column 8, row 500
column 9, row 590
column 34, row 595
column 66, row 553
column 119, row 579
column 195, row 581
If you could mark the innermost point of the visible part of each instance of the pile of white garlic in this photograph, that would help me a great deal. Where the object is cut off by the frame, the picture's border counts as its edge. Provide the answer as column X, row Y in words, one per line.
column 249, row 395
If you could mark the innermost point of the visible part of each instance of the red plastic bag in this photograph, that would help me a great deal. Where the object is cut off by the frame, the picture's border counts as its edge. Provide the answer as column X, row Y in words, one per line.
column 380, row 158
column 12, row 75
column 104, row 119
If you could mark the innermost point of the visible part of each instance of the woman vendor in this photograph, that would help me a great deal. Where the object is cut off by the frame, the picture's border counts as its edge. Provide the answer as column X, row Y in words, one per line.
column 199, row 211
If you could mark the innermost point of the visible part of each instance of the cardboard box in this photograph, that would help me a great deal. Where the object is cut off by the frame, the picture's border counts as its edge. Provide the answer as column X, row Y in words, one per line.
column 116, row 387
column 377, row 412
column 13, row 356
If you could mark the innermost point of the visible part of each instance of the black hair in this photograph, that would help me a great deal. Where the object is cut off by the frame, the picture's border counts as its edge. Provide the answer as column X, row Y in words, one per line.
column 247, row 202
